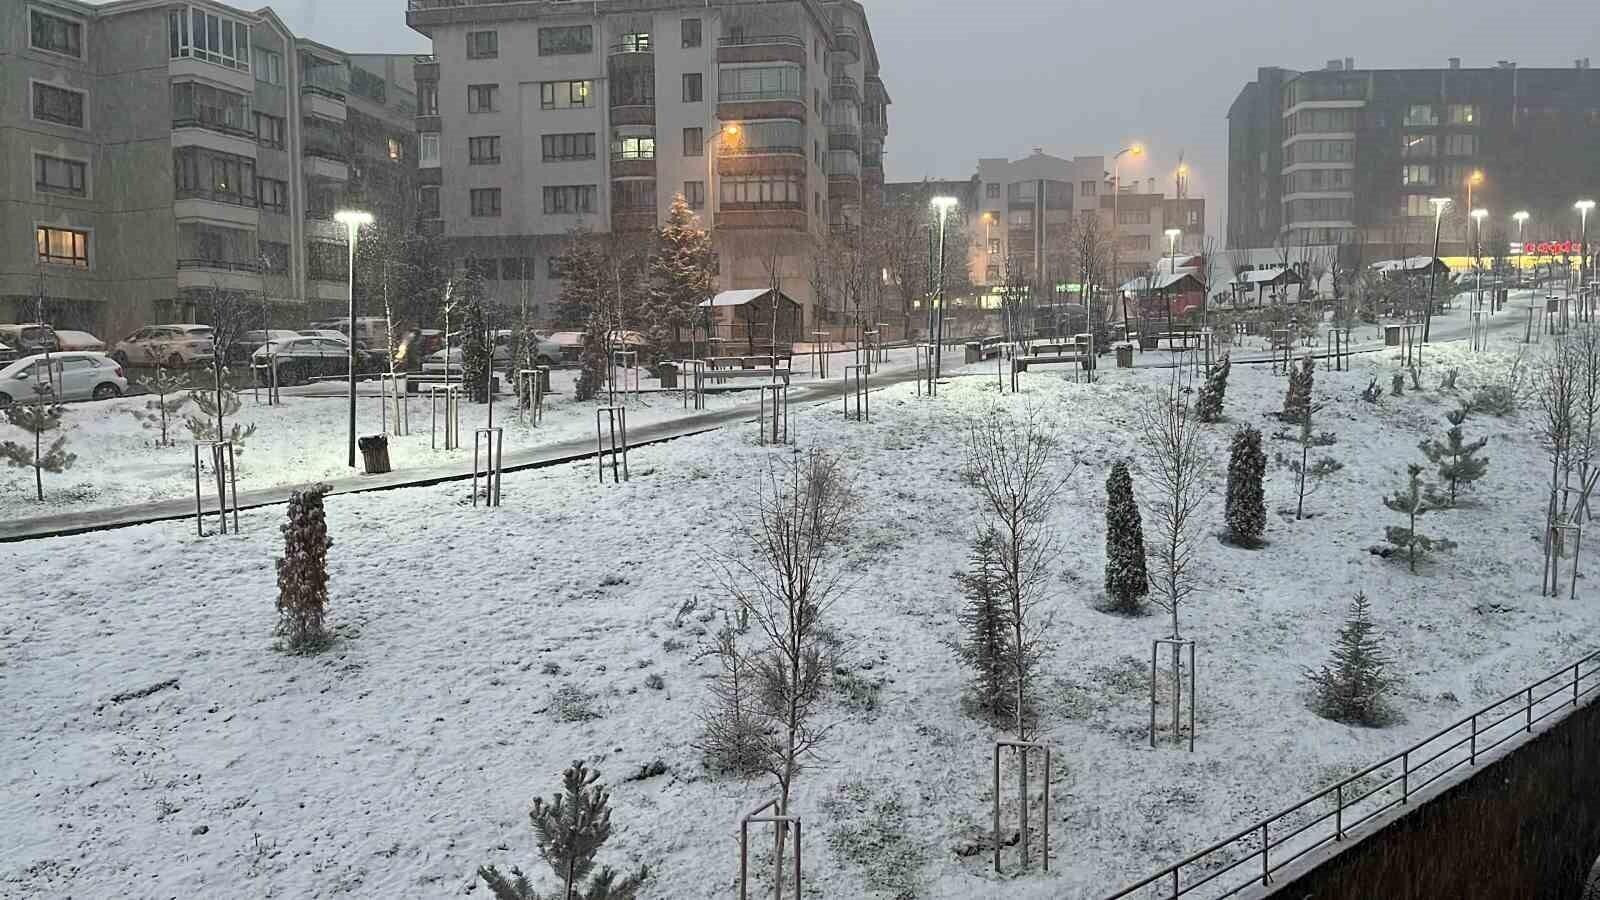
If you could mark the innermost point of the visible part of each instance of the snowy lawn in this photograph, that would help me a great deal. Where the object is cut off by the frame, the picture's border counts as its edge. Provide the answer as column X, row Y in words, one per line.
column 480, row 651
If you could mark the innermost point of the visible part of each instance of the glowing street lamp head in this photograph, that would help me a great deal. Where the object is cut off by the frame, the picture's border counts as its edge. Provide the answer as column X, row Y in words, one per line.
column 731, row 129
column 1439, row 204
column 944, row 204
column 1136, row 149
column 1476, row 178
column 1583, row 206
column 1480, row 215
column 1520, row 216
column 1172, row 233
column 352, row 218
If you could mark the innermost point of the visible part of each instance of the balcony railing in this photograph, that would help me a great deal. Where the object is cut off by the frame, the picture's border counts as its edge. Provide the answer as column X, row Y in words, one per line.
column 216, row 123
column 845, row 84
column 749, row 40
column 630, row 46
column 323, row 149
column 758, row 96
column 424, row 58
column 223, row 265
column 228, row 197
column 769, row 150
column 329, row 81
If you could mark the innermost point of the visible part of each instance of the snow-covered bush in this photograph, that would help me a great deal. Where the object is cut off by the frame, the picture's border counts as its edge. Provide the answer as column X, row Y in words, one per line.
column 1127, row 579
column 1208, row 405
column 1246, row 510
column 1297, row 402
column 303, row 574
column 1354, row 687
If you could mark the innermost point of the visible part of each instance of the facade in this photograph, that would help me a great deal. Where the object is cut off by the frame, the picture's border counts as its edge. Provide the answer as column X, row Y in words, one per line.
column 150, row 152
column 538, row 118
column 1352, row 156
column 1019, row 216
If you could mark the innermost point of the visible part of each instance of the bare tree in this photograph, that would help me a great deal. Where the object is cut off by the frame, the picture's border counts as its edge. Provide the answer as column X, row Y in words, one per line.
column 1557, row 386
column 1089, row 253
column 1170, row 432
column 802, row 515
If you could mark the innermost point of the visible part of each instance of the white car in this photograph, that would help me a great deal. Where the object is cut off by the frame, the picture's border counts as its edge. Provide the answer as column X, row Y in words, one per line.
column 70, row 375
column 175, row 345
column 301, row 358
column 546, row 353
column 79, row 340
column 6, row 353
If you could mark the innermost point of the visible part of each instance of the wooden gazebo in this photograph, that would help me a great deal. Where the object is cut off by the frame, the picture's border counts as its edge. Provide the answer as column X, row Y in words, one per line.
column 763, row 321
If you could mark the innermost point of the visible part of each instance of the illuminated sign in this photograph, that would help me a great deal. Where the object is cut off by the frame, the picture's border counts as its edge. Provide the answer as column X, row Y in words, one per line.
column 1552, row 248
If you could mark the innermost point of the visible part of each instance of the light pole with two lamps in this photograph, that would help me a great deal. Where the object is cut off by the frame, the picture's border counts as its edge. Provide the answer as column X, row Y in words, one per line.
column 1520, row 217
column 1583, row 207
column 1478, row 215
column 1439, row 206
column 943, row 205
column 352, row 220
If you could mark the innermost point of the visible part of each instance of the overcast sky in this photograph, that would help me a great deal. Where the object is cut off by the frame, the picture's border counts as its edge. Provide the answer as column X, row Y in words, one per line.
column 973, row 78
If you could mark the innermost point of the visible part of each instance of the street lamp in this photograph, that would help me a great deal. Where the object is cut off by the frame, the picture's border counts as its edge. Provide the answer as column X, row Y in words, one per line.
column 1478, row 215
column 942, row 205
column 1136, row 149
column 352, row 220
column 732, row 132
column 1473, row 180
column 1583, row 207
column 1172, row 246
column 1439, row 206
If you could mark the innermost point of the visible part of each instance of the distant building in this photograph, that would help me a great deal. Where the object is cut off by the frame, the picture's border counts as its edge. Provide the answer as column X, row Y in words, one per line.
column 153, row 151
column 537, row 118
column 1352, row 156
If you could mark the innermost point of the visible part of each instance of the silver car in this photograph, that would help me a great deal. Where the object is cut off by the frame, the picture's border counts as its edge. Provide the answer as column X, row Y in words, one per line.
column 299, row 359
column 69, row 375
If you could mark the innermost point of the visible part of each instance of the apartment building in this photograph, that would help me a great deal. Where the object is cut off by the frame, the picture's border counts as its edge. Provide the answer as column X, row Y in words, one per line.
column 1352, row 156
column 1019, row 215
column 536, row 118
column 151, row 152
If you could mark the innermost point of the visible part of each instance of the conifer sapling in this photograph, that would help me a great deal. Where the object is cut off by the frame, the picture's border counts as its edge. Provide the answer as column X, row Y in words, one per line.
column 1297, row 402
column 1414, row 500
column 1127, row 579
column 1246, row 509
column 592, row 360
column 1353, row 688
column 1457, row 459
column 303, row 573
column 1208, row 405
column 37, row 418
column 986, row 623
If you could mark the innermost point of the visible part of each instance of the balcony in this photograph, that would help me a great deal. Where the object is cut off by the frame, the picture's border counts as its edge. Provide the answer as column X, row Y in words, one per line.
column 842, row 190
column 215, row 207
column 739, row 106
column 425, row 68
column 843, row 87
column 187, row 67
column 788, row 216
column 625, row 166
column 747, row 48
column 632, row 45
column 633, row 220
column 214, row 135
column 847, row 42
column 844, row 137
column 325, row 158
column 633, row 114
column 216, row 273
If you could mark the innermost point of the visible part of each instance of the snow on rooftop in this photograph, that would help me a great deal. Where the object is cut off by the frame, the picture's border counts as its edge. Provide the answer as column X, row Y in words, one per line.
column 735, row 298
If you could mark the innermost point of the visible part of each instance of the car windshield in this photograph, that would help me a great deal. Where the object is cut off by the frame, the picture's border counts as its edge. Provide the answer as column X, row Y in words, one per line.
column 201, row 331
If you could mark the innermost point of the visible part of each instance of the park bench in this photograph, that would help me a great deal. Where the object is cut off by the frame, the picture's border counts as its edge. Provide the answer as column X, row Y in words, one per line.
column 1053, row 353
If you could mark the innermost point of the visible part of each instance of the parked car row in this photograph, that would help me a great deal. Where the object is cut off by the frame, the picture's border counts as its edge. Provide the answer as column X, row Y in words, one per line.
column 65, row 375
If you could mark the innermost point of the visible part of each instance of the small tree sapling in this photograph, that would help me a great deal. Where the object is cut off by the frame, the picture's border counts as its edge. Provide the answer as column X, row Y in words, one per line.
column 1413, row 501
column 1457, row 459
column 1353, row 689
column 1246, row 509
column 38, row 418
column 1127, row 579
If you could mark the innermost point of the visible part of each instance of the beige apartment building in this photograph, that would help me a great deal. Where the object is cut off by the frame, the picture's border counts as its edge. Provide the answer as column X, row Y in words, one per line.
column 536, row 118
column 152, row 151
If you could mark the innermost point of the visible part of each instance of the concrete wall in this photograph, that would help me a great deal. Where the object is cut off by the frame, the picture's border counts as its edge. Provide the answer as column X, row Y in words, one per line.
column 1526, row 826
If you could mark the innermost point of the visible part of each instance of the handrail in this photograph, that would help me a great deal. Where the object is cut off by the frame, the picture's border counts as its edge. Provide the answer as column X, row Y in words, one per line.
column 224, row 265
column 1571, row 691
column 746, row 40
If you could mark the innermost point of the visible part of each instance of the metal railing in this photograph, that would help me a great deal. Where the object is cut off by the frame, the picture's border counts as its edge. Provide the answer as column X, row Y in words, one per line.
column 1273, row 843
column 845, row 83
column 746, row 40
column 755, row 96
column 214, row 123
column 224, row 265
column 424, row 59
column 746, row 150
column 228, row 197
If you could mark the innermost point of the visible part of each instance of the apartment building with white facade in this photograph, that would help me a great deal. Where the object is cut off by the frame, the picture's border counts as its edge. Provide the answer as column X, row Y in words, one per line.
column 151, row 151
column 540, row 117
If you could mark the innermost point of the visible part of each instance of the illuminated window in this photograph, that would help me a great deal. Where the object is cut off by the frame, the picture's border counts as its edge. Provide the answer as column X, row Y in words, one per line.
column 566, row 94
column 1462, row 114
column 1410, row 175
column 395, row 150
column 62, row 246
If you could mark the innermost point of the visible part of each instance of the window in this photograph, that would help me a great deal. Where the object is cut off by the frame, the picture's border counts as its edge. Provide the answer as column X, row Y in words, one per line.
column 427, row 98
column 636, row 194
column 396, row 150
column 694, row 142
column 63, row 246
column 483, row 44
column 1421, row 114
column 486, row 268
column 1134, row 215
column 1321, row 121
column 326, row 261
column 206, row 174
column 274, row 256
column 1021, row 218
column 1415, row 145
column 1318, row 151
column 1417, row 205
column 369, row 85
column 1410, row 175
column 195, row 104
column 991, row 274
column 767, row 190
column 693, row 88
column 272, row 194
column 1461, row 114
column 518, row 268
column 691, row 32
column 992, row 191
column 694, row 193
column 60, row 176
column 269, row 66
column 1088, row 188
column 994, row 246
column 428, row 149
column 213, row 38
column 55, row 34
column 768, row 137
column 269, row 131
column 485, row 201
column 59, row 105
column 552, row 266
column 561, row 147
column 572, row 198
column 635, row 42
column 763, row 83
column 566, row 94
column 567, row 39
column 1460, row 144
column 633, row 146
column 1321, row 209
column 428, row 201
column 481, row 97
column 483, row 151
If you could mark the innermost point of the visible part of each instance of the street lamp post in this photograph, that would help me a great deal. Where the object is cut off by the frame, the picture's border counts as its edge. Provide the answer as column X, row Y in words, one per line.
column 936, row 328
column 352, row 220
column 1478, row 215
column 1439, row 206
column 1583, row 207
column 1172, row 246
column 1520, row 217
column 1116, row 225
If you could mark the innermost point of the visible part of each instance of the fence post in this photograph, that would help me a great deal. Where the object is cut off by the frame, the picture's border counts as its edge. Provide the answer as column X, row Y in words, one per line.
column 1575, row 682
column 1529, row 727
column 1338, row 811
column 1266, row 867
column 1473, row 758
column 1405, row 777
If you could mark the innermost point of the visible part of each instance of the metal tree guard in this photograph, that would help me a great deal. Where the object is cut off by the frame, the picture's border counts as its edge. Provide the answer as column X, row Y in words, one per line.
column 1022, row 749
column 617, row 427
column 1177, row 645
column 491, row 442
column 227, row 483
column 783, row 823
column 856, row 385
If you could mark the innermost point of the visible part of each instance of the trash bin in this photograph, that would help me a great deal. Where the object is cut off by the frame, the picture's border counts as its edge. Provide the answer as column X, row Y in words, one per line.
column 974, row 352
column 375, row 453
column 668, row 373
column 1124, row 355
column 1149, row 341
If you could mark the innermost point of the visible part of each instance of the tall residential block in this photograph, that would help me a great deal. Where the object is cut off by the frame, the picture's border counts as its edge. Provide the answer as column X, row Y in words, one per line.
column 153, row 152
column 1352, row 157
column 537, row 118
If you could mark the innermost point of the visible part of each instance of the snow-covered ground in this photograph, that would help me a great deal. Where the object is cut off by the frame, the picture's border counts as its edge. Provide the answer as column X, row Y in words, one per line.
column 480, row 651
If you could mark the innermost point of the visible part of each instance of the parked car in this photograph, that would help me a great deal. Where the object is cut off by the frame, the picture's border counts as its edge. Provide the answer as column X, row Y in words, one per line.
column 80, row 340
column 301, row 358
column 546, row 353
column 371, row 331
column 71, row 375
column 30, row 339
column 245, row 347
column 570, row 343
column 175, row 345
column 6, row 354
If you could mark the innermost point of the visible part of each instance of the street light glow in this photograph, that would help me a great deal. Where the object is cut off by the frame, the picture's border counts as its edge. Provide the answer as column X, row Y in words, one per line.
column 1439, row 203
column 944, row 204
column 1136, row 149
column 1480, row 215
column 352, row 218
column 1520, row 216
column 1477, row 177
column 1173, row 232
column 731, row 130
column 1583, row 205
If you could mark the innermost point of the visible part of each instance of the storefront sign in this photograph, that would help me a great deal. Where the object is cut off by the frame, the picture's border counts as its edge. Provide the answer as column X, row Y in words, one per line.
column 1552, row 248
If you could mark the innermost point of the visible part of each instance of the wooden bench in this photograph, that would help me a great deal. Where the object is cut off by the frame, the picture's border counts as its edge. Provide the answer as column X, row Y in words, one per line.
column 721, row 369
column 977, row 351
column 1053, row 354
